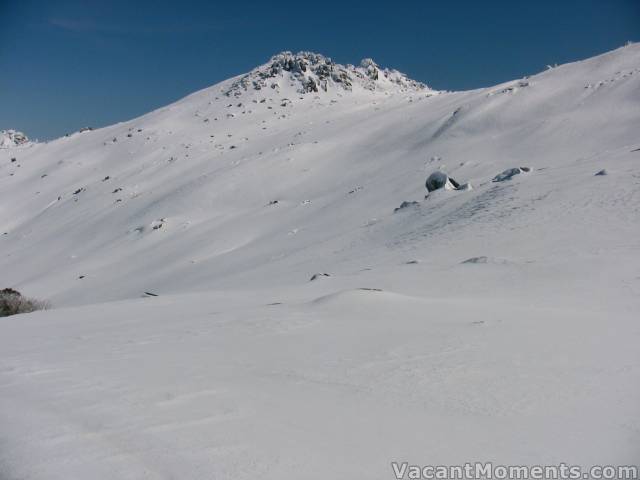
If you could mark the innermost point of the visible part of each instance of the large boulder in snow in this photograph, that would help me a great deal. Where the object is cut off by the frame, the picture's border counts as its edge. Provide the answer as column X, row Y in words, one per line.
column 438, row 180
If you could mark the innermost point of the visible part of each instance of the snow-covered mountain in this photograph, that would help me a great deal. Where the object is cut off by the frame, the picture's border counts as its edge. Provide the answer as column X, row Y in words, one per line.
column 497, row 322
column 183, row 198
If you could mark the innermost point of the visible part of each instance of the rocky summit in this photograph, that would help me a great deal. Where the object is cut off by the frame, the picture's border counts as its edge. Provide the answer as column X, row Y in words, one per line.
column 12, row 138
column 312, row 72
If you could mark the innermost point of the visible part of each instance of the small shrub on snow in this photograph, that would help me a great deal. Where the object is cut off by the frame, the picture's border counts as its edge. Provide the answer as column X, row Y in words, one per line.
column 12, row 302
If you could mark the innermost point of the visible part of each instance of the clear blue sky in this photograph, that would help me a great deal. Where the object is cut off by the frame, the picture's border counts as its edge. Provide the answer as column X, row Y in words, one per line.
column 71, row 63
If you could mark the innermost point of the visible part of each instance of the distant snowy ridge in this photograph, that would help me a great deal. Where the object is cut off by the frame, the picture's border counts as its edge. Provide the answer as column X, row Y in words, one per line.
column 312, row 73
column 12, row 138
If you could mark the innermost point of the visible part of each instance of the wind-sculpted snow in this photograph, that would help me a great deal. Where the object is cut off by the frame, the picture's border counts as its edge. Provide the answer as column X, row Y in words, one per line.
column 246, row 303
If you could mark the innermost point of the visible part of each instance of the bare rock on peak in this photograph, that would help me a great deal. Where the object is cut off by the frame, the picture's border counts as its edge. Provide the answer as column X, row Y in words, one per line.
column 12, row 138
column 312, row 73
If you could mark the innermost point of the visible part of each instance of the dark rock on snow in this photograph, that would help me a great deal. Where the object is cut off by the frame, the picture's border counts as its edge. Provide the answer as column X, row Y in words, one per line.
column 509, row 173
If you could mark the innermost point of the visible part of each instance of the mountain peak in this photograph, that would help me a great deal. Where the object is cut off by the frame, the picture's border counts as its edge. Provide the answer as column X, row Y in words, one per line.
column 12, row 138
column 310, row 72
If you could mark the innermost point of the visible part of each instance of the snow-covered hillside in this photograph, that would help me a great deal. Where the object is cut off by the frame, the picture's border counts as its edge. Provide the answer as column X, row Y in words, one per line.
column 492, row 323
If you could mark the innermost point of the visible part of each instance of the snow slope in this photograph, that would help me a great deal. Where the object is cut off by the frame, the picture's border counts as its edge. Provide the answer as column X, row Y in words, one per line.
column 227, row 202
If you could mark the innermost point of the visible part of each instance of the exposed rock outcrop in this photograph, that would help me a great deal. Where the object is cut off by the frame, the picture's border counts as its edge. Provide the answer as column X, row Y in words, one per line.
column 12, row 138
column 314, row 73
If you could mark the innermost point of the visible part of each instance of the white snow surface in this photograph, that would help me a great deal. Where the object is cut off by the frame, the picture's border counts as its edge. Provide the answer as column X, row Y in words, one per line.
column 498, row 323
